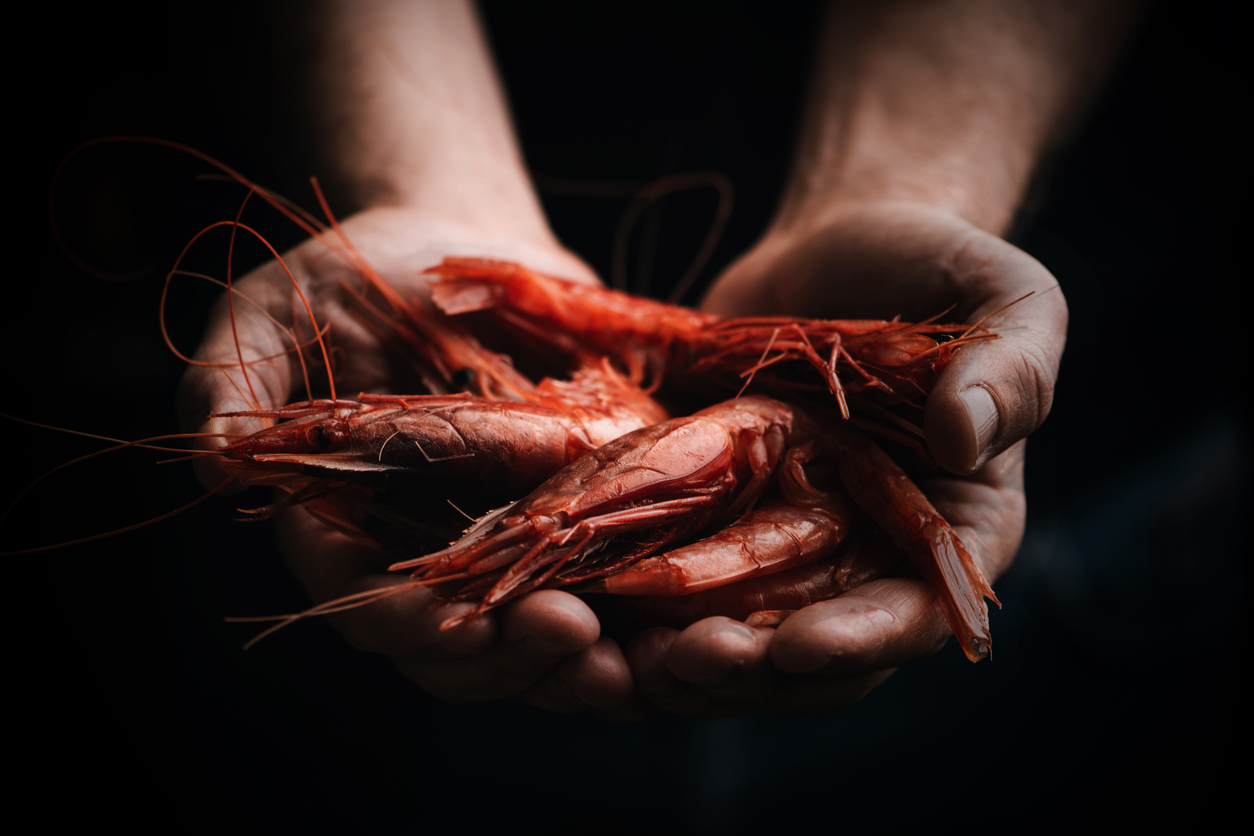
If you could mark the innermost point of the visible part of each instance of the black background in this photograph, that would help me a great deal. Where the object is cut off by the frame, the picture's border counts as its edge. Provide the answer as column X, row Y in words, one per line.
column 1117, row 688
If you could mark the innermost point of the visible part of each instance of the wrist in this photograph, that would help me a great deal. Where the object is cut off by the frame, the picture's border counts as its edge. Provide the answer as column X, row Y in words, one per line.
column 948, row 104
column 850, row 214
column 418, row 230
column 465, row 184
column 973, row 181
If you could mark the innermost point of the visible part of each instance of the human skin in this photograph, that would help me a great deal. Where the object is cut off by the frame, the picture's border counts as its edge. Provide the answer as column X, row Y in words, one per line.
column 925, row 124
column 426, row 156
column 924, row 127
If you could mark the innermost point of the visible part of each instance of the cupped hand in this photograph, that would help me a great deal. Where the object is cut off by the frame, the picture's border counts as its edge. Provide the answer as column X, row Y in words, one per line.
column 878, row 261
column 546, row 647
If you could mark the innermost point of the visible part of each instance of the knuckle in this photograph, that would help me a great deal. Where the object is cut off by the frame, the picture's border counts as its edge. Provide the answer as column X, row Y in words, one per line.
column 1038, row 372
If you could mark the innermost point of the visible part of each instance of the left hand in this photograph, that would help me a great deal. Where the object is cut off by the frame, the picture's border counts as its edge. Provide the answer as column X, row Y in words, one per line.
column 877, row 260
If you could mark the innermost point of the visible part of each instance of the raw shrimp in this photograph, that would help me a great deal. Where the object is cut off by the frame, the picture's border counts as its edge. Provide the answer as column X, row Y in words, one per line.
column 611, row 502
column 652, row 488
column 766, row 600
column 665, row 482
column 767, row 540
column 897, row 359
column 506, row 446
column 403, row 469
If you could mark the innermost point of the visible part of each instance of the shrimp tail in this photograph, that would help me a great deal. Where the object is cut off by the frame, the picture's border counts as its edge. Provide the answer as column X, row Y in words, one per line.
column 887, row 494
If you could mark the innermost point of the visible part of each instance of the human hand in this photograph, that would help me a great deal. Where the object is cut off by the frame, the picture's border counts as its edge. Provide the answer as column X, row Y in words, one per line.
column 545, row 648
column 876, row 261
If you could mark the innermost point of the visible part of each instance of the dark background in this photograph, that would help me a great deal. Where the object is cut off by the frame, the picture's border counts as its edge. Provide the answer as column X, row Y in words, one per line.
column 1117, row 688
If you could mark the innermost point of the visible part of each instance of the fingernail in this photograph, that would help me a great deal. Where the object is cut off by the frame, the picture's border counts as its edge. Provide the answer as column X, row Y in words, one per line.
column 735, row 628
column 982, row 411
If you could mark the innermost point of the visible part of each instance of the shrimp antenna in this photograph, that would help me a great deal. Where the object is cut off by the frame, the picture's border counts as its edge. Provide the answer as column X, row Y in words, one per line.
column 302, row 218
column 291, row 277
column 649, row 195
column 1002, row 309
column 228, row 480
column 230, row 302
column 118, row 444
column 297, row 215
column 297, row 345
column 348, row 602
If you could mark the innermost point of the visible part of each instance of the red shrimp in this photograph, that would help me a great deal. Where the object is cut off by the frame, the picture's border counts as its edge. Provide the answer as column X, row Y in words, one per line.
column 897, row 359
column 486, row 430
column 655, row 487
column 887, row 494
column 763, row 601
column 659, row 484
column 395, row 468
column 611, row 502
column 767, row 540
column 507, row 446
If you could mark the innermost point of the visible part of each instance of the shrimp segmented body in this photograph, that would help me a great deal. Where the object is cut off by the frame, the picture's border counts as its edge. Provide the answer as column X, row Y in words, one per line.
column 640, row 494
column 767, row 540
column 419, row 437
column 764, row 600
column 896, row 359
column 714, row 512
column 406, row 461
column 620, row 503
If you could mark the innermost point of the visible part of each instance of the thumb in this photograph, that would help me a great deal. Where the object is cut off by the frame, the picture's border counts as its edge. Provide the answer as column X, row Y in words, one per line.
column 994, row 393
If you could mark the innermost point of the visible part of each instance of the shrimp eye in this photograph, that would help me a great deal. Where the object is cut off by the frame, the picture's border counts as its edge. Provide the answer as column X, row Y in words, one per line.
column 325, row 437
column 317, row 438
column 463, row 379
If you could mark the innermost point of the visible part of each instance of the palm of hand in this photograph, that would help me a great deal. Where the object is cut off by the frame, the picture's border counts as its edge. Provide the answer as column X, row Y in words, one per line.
column 877, row 262
column 544, row 648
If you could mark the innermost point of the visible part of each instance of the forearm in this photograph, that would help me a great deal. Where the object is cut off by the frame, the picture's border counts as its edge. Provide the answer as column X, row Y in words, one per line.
column 403, row 107
column 949, row 104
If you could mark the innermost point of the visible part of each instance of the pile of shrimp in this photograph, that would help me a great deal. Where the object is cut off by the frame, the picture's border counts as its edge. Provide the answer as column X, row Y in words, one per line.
column 609, row 493
column 766, row 493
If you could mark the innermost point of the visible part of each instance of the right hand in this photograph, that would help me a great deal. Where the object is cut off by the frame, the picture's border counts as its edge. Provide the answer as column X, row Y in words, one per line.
column 544, row 648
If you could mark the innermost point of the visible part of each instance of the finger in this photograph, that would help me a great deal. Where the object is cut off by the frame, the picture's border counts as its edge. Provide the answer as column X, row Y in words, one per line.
column 535, row 636
column 890, row 622
column 647, row 655
column 331, row 565
column 724, row 657
column 884, row 624
column 761, row 688
column 595, row 678
column 728, row 661
column 489, row 657
column 547, row 626
column 995, row 393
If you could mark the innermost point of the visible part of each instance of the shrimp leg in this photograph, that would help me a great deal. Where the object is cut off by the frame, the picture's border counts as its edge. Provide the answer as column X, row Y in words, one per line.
column 661, row 483
column 898, row 359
